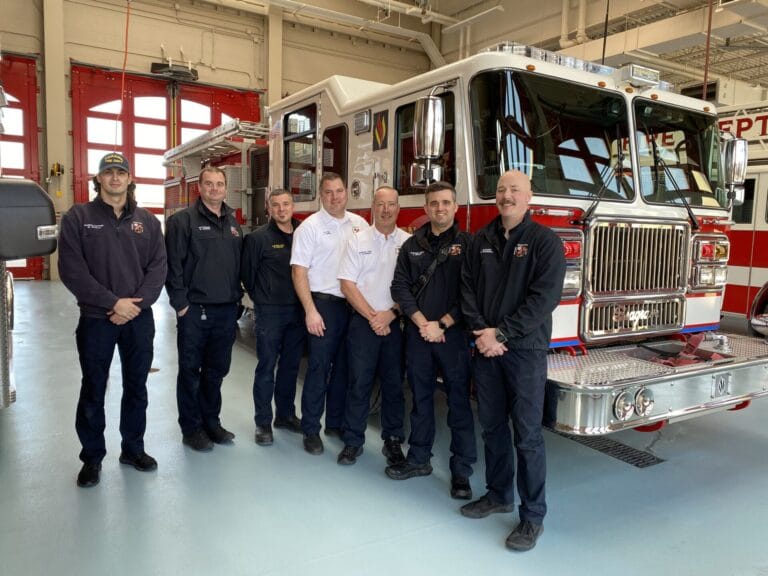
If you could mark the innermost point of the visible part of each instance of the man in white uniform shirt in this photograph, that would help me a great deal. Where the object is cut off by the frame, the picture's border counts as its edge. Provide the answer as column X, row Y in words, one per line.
column 374, row 337
column 318, row 246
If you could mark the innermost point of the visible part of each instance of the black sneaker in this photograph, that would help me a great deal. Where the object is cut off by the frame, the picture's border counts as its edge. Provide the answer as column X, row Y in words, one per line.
column 198, row 441
column 313, row 444
column 460, row 488
column 333, row 431
column 393, row 451
column 264, row 435
column 406, row 470
column 292, row 424
column 142, row 462
column 349, row 455
column 220, row 435
column 89, row 475
column 524, row 537
column 484, row 506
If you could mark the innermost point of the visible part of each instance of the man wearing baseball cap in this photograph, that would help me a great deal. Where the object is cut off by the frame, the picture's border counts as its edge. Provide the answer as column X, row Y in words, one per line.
column 112, row 258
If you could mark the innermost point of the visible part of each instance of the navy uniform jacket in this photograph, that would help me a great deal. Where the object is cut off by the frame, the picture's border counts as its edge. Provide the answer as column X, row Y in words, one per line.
column 266, row 265
column 203, row 257
column 441, row 295
column 103, row 258
column 514, row 284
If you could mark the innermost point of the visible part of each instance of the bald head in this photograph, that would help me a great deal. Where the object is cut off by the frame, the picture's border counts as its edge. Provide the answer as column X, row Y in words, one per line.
column 513, row 195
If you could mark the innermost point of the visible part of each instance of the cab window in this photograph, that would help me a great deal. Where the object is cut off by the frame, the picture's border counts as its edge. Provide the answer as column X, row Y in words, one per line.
column 404, row 156
column 300, row 153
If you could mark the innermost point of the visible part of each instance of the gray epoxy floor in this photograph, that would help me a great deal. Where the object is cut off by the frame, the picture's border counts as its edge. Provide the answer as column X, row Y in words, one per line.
column 249, row 510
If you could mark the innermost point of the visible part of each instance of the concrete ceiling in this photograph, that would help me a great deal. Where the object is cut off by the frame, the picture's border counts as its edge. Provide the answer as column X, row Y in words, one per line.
column 672, row 36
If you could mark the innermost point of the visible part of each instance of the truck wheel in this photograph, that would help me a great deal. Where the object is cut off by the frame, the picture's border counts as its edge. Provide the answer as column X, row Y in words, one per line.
column 758, row 314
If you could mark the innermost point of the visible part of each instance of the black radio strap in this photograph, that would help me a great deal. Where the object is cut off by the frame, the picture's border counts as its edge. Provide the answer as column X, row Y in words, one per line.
column 423, row 280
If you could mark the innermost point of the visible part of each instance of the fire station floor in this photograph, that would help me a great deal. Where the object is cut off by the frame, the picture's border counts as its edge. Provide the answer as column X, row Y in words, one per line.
column 250, row 510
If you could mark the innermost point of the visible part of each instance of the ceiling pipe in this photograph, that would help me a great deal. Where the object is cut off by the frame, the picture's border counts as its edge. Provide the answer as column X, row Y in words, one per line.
column 581, row 30
column 411, row 10
column 298, row 9
column 707, row 51
column 564, row 31
column 467, row 22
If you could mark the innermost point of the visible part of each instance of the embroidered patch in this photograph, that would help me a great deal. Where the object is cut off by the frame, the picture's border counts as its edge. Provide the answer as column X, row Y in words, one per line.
column 235, row 231
column 203, row 228
column 93, row 226
column 454, row 250
column 486, row 251
column 278, row 246
column 419, row 253
column 521, row 250
column 137, row 227
column 365, row 252
column 355, row 229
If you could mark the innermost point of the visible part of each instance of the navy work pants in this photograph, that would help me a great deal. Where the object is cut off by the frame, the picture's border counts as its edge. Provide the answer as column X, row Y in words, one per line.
column 280, row 339
column 325, row 386
column 371, row 356
column 451, row 358
column 205, row 335
column 96, row 340
column 513, row 386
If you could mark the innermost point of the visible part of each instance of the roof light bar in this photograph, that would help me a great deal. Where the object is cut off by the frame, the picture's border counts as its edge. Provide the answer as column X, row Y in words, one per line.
column 639, row 76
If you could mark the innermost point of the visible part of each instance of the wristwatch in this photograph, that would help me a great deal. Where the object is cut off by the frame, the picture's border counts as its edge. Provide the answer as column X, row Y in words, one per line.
column 442, row 325
column 500, row 336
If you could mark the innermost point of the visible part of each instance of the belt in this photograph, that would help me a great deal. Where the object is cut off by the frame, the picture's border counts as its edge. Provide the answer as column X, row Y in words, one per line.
column 331, row 297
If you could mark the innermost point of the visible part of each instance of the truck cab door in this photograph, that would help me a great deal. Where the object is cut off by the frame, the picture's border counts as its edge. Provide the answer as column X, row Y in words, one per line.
column 748, row 262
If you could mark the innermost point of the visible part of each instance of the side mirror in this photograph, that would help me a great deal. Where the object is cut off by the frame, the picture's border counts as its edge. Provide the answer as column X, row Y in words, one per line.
column 27, row 220
column 422, row 175
column 735, row 162
column 737, row 195
column 429, row 128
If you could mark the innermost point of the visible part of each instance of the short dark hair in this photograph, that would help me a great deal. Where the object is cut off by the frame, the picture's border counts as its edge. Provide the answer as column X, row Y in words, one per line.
column 328, row 176
column 213, row 170
column 278, row 192
column 439, row 186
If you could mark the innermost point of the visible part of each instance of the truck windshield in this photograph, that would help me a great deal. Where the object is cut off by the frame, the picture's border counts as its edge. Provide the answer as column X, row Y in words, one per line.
column 570, row 139
column 678, row 155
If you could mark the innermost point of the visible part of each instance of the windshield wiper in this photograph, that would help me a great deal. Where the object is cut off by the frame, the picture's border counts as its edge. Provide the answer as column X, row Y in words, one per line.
column 617, row 167
column 658, row 161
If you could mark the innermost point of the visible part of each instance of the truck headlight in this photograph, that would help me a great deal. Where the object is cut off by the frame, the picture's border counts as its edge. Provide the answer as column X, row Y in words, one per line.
column 624, row 406
column 721, row 275
column 706, row 276
column 644, row 402
column 572, row 282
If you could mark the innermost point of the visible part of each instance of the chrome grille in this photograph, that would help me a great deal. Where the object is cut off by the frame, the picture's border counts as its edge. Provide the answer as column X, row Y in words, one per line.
column 636, row 258
column 609, row 319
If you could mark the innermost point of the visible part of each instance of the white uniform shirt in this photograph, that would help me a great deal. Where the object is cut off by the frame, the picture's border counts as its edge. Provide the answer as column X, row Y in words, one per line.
column 318, row 245
column 370, row 262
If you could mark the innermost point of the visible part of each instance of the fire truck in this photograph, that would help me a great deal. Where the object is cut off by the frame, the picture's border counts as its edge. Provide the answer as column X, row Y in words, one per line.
column 747, row 289
column 638, row 181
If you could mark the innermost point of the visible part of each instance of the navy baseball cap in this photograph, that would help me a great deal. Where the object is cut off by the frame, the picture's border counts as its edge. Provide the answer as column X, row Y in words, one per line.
column 114, row 160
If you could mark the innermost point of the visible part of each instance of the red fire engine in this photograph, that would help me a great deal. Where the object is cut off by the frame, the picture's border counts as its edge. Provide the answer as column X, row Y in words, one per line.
column 638, row 182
